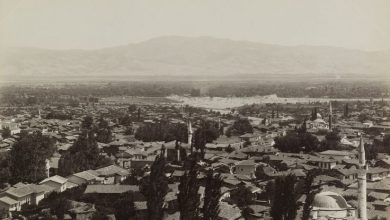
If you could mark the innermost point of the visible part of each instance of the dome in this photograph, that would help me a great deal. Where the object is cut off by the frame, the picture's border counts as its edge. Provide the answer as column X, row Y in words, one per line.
column 329, row 200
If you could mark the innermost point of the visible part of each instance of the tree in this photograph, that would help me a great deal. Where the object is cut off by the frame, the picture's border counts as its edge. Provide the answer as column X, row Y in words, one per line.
column 124, row 207
column 346, row 110
column 139, row 114
column 332, row 140
column 103, row 133
column 386, row 143
column 212, row 195
column 162, row 131
column 290, row 143
column 6, row 132
column 242, row 196
column 229, row 149
column 188, row 196
column 5, row 174
column 240, row 127
column 87, row 122
column 284, row 206
column 314, row 114
column 155, row 187
column 205, row 134
column 125, row 120
column 84, row 154
column 270, row 191
column 28, row 157
column 303, row 128
column 129, row 130
column 310, row 190
column 363, row 117
column 371, row 151
column 132, row 108
column 309, row 142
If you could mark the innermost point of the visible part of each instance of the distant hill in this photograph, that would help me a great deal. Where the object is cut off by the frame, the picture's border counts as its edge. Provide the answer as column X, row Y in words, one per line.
column 193, row 57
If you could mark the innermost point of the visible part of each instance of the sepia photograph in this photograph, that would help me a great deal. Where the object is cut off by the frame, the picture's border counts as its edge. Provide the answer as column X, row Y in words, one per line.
column 194, row 109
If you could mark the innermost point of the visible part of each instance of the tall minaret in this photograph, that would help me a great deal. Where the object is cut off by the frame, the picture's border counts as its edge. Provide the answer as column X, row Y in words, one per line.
column 330, row 115
column 189, row 134
column 362, row 182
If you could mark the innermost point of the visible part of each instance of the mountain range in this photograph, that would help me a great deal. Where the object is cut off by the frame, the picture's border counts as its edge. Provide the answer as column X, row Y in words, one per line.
column 192, row 57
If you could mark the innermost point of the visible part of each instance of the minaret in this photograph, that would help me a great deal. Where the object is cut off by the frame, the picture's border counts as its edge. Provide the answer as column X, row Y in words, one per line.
column 330, row 115
column 189, row 134
column 47, row 168
column 178, row 148
column 362, row 182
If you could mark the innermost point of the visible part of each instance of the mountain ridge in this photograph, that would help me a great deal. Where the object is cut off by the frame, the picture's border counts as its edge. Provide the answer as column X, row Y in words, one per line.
column 189, row 56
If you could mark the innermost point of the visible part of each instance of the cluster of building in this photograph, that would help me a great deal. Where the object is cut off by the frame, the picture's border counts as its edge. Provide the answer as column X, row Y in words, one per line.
column 347, row 181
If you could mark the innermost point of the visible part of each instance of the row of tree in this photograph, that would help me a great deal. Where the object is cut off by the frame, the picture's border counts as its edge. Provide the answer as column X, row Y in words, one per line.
column 155, row 188
column 162, row 131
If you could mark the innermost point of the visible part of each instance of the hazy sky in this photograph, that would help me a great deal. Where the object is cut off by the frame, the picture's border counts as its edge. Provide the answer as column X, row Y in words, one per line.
column 361, row 24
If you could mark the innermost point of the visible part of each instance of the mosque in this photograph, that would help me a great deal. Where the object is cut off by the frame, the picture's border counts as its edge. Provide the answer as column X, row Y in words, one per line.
column 332, row 206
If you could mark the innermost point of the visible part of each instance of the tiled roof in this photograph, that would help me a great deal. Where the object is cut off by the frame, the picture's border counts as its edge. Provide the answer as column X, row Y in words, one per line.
column 85, row 175
column 27, row 190
column 335, row 153
column 111, row 189
column 8, row 200
column 378, row 195
column 56, row 178
column 112, row 170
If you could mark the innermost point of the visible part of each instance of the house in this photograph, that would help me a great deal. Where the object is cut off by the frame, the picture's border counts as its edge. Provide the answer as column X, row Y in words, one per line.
column 384, row 197
column 335, row 154
column 170, row 202
column 229, row 212
column 175, row 151
column 245, row 167
column 14, row 127
column 112, row 174
column 141, row 210
column 324, row 163
column 380, row 205
column 317, row 124
column 27, row 193
column 84, row 177
column 249, row 137
column 377, row 173
column 346, row 174
column 9, row 204
column 81, row 211
column 385, row 162
column 53, row 164
column 58, row 183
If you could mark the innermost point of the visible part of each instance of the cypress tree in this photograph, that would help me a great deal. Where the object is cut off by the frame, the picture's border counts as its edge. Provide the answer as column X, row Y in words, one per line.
column 188, row 197
column 346, row 111
column 310, row 191
column 284, row 206
column 155, row 187
column 212, row 195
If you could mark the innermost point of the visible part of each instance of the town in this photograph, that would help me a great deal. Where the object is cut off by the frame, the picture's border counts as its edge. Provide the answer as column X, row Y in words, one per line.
column 65, row 156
